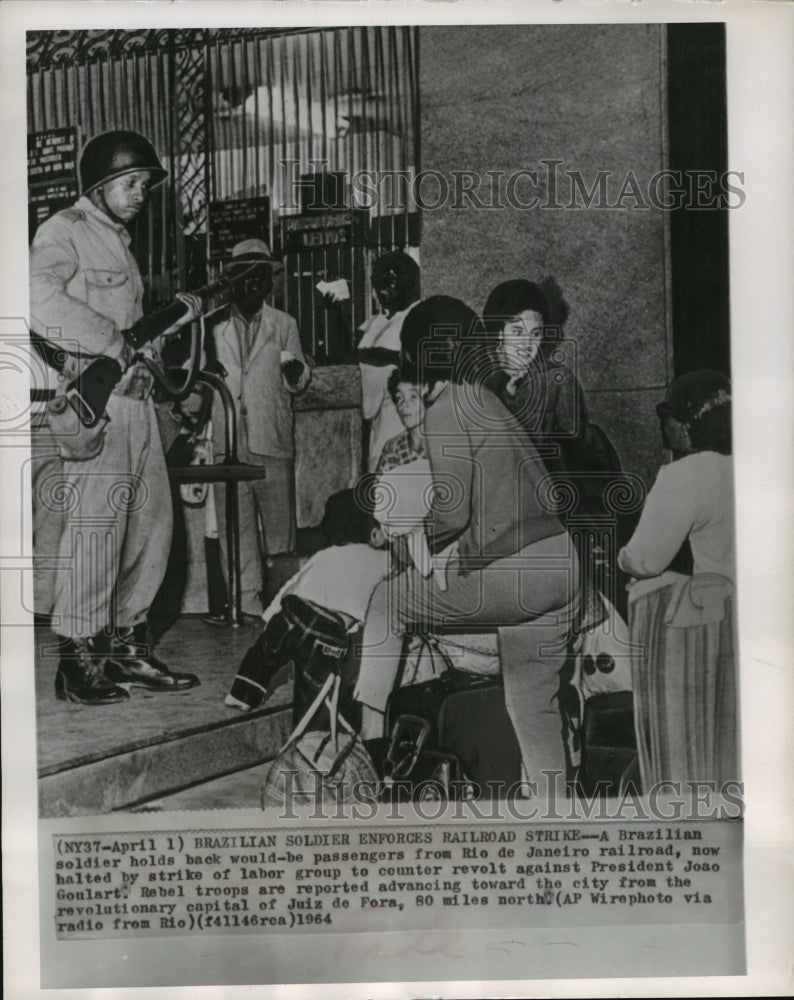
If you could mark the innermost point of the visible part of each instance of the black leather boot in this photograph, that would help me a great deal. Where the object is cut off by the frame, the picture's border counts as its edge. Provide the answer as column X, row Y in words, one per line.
column 80, row 678
column 131, row 663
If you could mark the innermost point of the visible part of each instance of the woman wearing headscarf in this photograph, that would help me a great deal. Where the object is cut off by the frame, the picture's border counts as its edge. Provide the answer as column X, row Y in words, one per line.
column 514, row 568
column 682, row 625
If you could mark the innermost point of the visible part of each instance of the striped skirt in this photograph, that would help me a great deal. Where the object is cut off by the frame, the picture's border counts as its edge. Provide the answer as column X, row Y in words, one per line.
column 684, row 679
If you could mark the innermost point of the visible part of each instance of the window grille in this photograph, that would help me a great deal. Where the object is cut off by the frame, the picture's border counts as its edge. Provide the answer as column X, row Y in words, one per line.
column 250, row 113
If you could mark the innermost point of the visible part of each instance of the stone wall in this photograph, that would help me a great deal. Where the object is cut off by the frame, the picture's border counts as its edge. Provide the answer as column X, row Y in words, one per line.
column 327, row 439
column 507, row 98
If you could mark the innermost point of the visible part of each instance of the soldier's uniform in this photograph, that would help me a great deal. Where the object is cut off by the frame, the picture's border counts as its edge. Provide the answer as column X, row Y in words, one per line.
column 115, row 508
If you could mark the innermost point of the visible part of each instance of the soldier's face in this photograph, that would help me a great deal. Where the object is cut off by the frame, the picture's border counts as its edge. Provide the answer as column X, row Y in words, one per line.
column 125, row 196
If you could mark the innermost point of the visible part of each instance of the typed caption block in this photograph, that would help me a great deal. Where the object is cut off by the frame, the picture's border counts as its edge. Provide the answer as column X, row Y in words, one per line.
column 346, row 880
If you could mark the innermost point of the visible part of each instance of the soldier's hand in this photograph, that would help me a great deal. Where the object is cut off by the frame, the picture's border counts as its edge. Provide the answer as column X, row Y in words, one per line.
column 127, row 356
column 88, row 444
column 513, row 383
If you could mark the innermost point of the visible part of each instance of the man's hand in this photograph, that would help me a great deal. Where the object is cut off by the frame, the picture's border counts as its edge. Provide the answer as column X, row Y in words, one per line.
column 292, row 370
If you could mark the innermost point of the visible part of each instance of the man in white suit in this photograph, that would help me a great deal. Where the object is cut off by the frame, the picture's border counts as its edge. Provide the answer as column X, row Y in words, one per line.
column 260, row 350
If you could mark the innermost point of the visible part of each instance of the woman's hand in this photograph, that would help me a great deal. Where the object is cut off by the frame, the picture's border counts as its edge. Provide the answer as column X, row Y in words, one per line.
column 513, row 383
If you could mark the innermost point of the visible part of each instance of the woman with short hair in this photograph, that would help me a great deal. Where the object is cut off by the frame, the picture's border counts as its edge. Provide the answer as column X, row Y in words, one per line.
column 514, row 564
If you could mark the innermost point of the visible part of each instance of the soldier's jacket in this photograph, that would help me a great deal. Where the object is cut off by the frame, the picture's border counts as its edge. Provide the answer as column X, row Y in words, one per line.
column 84, row 280
column 85, row 287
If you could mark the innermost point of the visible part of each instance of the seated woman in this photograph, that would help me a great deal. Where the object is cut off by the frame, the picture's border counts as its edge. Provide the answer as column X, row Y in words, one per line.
column 527, row 366
column 682, row 626
column 515, row 565
column 531, row 377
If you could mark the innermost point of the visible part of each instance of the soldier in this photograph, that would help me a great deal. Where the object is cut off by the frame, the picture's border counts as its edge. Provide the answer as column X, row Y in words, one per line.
column 85, row 287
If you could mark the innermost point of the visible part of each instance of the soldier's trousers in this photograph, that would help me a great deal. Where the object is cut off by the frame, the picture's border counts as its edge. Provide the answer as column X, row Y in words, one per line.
column 115, row 519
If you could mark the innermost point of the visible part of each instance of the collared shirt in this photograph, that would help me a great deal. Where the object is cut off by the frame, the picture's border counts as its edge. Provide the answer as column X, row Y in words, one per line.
column 399, row 451
column 85, row 285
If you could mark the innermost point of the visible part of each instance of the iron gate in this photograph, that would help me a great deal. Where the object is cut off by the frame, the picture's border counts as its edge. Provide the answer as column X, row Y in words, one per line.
column 240, row 114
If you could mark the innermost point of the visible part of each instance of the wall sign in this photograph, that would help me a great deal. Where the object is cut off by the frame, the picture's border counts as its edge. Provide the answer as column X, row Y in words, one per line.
column 330, row 229
column 52, row 173
column 236, row 220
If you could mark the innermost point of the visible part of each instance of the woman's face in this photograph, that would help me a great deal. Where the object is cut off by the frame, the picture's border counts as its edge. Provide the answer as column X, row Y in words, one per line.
column 519, row 341
column 675, row 436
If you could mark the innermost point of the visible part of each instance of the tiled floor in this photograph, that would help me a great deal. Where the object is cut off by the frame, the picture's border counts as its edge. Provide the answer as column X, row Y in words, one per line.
column 67, row 732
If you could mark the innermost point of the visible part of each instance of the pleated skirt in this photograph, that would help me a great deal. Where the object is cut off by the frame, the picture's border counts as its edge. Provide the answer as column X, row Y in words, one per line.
column 685, row 694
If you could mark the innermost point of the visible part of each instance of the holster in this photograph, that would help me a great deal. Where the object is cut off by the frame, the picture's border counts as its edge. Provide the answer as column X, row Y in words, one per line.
column 75, row 441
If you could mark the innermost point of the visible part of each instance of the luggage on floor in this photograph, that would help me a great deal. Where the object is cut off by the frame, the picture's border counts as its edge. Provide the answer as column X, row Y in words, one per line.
column 609, row 746
column 320, row 766
column 467, row 720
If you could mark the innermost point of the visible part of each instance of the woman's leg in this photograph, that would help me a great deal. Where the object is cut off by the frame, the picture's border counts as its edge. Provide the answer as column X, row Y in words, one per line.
column 541, row 578
column 531, row 656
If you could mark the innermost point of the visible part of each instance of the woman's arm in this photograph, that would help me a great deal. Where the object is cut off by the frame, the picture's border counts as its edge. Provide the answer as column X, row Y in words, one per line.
column 568, row 416
column 665, row 523
column 294, row 370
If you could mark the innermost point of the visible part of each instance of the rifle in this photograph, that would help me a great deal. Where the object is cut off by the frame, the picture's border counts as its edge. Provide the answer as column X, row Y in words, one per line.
column 89, row 392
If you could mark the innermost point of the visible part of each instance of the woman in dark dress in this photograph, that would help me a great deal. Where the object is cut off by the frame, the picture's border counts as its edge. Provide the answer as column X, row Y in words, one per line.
column 527, row 364
column 527, row 367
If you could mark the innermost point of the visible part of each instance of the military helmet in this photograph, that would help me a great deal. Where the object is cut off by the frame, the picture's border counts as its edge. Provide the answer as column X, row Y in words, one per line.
column 113, row 154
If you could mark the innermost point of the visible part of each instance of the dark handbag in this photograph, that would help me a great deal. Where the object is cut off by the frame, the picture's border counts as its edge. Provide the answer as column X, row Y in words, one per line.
column 609, row 745
column 467, row 719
